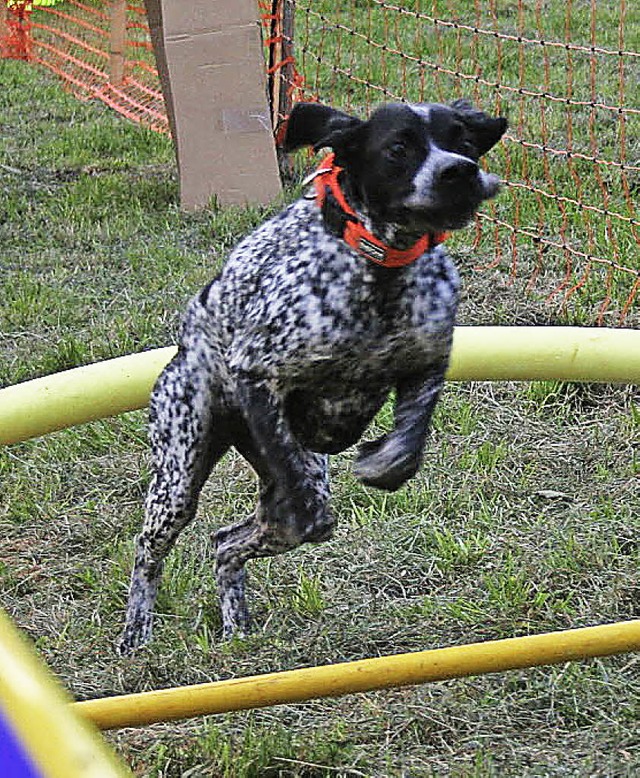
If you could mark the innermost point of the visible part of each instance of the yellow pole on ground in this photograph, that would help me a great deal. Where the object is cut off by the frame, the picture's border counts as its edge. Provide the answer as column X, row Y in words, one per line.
column 80, row 395
column 59, row 743
column 545, row 353
column 115, row 386
column 365, row 675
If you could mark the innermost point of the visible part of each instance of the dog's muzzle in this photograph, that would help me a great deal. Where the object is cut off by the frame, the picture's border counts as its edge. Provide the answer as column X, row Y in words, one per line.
column 449, row 177
column 461, row 173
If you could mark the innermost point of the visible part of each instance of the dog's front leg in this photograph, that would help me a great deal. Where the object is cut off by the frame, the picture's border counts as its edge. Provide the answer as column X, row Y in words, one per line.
column 297, row 505
column 389, row 461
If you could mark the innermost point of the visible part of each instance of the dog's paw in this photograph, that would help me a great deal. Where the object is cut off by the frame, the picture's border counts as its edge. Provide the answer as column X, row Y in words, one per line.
column 386, row 463
column 128, row 645
column 234, row 631
column 322, row 529
column 125, row 647
column 236, row 621
column 136, row 634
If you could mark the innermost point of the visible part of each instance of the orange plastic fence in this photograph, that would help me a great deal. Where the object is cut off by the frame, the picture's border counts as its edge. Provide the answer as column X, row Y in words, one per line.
column 567, row 74
column 101, row 50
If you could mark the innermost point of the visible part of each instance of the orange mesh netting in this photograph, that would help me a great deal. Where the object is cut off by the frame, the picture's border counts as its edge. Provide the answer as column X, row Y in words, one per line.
column 15, row 40
column 567, row 74
column 101, row 50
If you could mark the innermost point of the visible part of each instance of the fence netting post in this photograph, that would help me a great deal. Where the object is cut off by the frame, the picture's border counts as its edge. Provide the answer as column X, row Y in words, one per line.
column 117, row 41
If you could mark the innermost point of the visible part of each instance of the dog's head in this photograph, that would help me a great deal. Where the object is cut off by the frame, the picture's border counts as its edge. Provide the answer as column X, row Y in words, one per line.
column 415, row 165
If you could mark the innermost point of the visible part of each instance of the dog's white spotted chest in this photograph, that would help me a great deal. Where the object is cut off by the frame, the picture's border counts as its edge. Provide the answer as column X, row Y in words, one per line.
column 310, row 308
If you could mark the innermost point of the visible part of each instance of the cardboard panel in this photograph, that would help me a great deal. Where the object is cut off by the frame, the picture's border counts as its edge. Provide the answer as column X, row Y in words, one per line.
column 211, row 65
column 198, row 16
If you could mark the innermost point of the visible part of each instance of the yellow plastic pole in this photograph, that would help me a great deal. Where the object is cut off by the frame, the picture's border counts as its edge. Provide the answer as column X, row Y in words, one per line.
column 361, row 676
column 545, row 353
column 76, row 396
column 479, row 354
column 59, row 743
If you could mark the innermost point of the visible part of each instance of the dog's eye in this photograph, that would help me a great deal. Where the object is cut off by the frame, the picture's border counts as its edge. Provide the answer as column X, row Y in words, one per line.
column 396, row 150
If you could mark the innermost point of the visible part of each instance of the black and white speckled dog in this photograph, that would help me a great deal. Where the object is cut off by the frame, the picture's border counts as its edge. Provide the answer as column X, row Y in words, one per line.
column 315, row 318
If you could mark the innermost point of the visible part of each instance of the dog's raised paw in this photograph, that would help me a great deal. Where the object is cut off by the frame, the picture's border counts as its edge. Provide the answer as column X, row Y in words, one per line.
column 387, row 466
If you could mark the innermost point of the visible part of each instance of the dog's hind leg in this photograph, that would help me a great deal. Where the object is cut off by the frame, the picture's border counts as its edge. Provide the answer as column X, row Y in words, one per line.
column 269, row 531
column 188, row 436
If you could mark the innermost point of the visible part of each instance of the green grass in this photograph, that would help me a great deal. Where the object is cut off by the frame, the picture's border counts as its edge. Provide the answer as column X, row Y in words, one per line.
column 523, row 519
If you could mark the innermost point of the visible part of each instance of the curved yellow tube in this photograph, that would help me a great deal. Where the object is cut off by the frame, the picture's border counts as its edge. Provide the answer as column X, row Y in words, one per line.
column 545, row 353
column 479, row 354
column 76, row 396
column 59, row 743
column 364, row 675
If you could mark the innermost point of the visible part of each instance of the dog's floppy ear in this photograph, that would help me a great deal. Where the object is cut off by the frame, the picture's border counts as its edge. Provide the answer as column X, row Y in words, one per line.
column 487, row 130
column 313, row 124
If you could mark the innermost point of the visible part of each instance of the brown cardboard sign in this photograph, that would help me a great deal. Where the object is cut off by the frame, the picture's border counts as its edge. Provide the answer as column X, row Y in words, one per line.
column 212, row 70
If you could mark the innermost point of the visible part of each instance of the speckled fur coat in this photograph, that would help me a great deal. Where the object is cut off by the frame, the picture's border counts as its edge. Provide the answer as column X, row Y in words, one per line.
column 332, row 344
column 292, row 349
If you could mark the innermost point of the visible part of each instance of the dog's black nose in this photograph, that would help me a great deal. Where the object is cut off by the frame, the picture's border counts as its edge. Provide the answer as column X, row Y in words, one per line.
column 457, row 172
